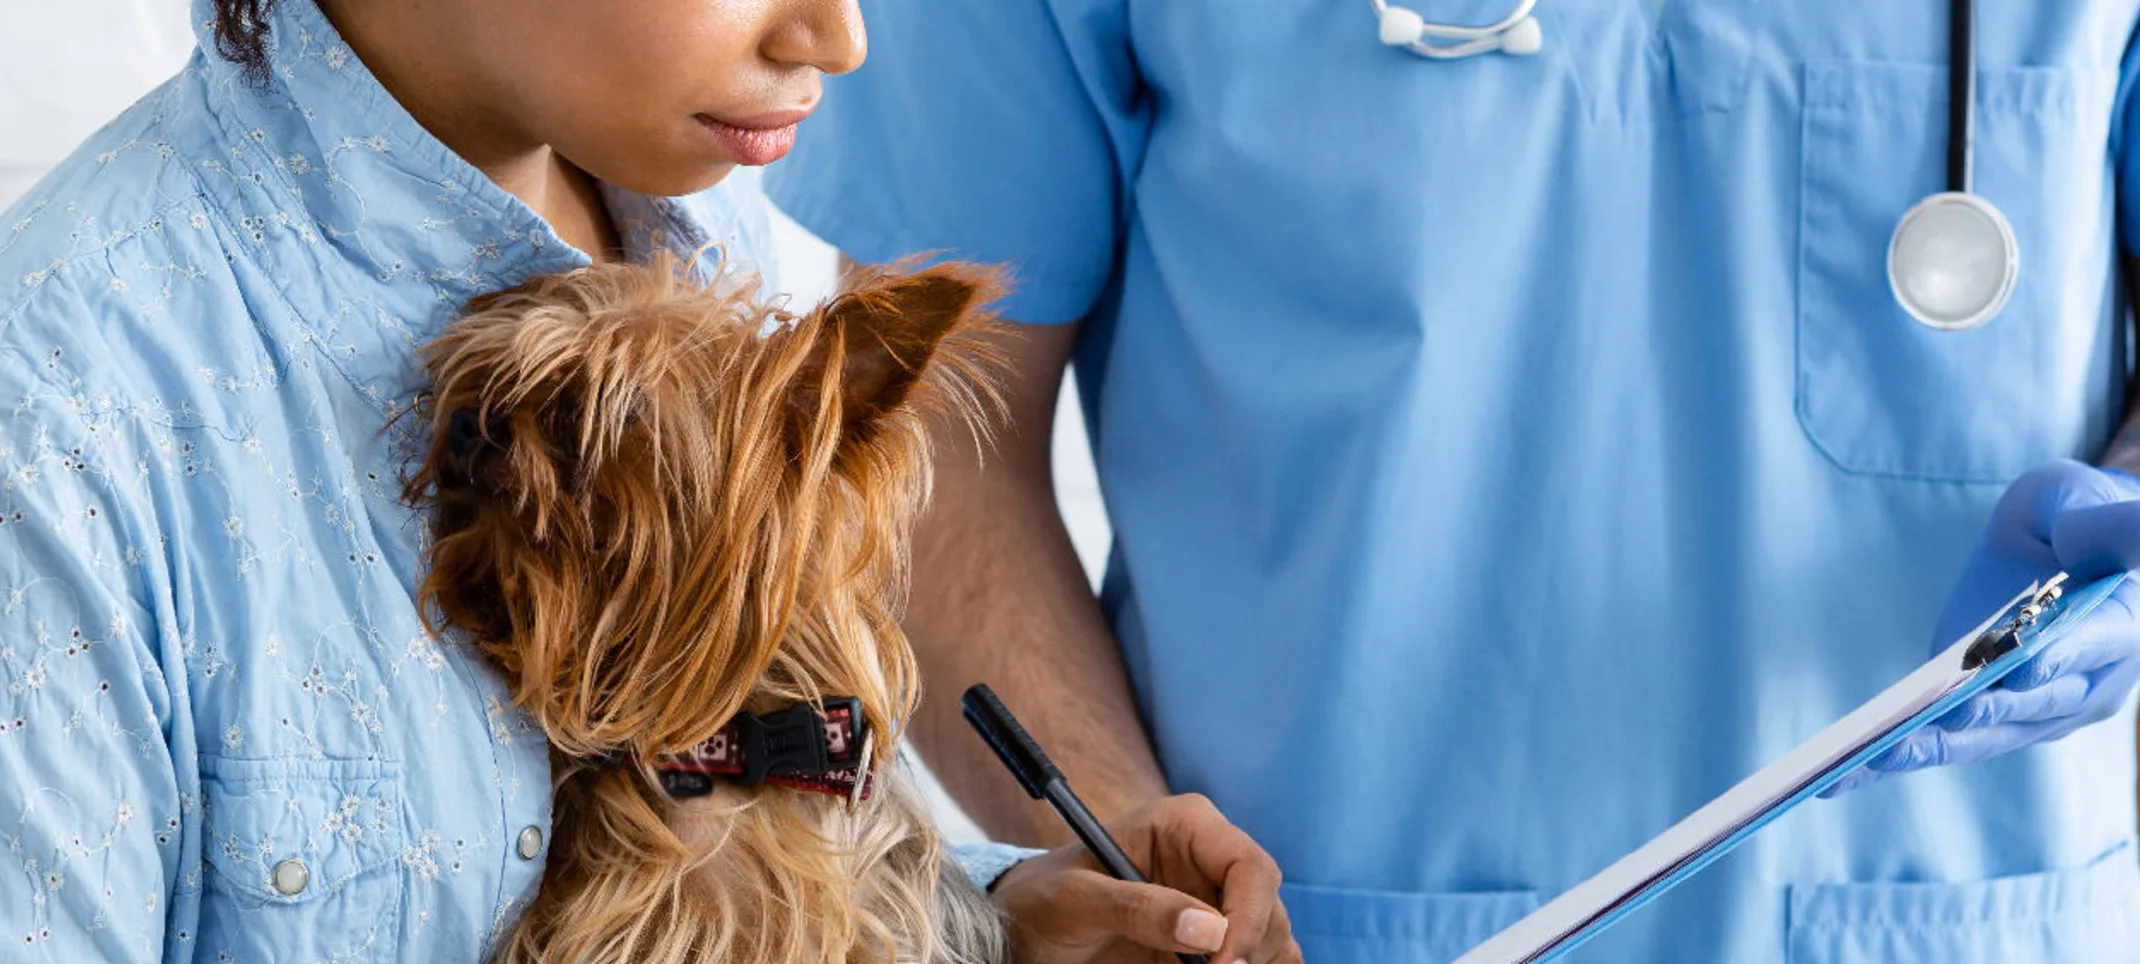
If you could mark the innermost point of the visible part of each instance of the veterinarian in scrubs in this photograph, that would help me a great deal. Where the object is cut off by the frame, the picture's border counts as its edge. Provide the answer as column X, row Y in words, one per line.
column 1508, row 454
column 225, row 733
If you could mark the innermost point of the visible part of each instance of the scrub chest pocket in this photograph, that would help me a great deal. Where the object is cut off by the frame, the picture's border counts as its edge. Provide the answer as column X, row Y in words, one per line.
column 1882, row 395
column 2078, row 916
column 303, row 860
column 1334, row 924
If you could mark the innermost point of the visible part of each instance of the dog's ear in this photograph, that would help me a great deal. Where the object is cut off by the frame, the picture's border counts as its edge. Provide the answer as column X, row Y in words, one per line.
column 888, row 328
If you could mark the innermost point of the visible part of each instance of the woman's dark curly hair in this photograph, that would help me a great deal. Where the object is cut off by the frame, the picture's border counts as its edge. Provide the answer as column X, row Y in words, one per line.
column 241, row 34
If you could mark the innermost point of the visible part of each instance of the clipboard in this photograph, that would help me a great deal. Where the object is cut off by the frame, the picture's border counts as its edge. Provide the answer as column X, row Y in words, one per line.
column 2018, row 631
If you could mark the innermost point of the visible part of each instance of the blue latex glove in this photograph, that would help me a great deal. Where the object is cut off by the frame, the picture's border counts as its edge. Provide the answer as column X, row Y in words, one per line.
column 2067, row 517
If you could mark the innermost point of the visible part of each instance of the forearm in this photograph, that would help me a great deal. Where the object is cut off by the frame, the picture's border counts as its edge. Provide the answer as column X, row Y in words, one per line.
column 999, row 597
column 2123, row 452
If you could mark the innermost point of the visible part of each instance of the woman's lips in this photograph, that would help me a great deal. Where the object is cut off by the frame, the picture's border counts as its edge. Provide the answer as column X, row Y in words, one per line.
column 755, row 141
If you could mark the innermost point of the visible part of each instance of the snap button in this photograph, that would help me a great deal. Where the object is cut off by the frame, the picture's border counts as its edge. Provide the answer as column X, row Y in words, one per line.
column 291, row 877
column 530, row 843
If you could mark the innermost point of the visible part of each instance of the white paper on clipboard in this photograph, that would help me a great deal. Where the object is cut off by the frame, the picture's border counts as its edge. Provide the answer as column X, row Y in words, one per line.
column 1691, row 844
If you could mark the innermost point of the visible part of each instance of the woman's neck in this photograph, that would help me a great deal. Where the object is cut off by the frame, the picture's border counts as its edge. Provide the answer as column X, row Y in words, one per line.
column 564, row 195
column 436, row 88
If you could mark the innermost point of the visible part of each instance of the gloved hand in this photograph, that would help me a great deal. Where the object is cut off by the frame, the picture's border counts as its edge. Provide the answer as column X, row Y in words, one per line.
column 2068, row 517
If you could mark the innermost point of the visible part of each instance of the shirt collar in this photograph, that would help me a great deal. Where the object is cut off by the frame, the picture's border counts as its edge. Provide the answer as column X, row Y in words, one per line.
column 320, row 154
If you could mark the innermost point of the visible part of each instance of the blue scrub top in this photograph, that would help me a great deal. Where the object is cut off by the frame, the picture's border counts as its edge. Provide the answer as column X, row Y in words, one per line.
column 1506, row 456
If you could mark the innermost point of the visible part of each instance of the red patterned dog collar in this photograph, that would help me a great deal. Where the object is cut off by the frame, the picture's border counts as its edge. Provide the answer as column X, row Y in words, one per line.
column 796, row 747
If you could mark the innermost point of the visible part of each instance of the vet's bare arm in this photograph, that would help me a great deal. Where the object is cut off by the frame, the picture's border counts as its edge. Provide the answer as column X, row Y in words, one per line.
column 2124, row 450
column 999, row 597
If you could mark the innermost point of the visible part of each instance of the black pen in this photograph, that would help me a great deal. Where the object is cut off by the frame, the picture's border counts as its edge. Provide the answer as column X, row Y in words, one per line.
column 1042, row 781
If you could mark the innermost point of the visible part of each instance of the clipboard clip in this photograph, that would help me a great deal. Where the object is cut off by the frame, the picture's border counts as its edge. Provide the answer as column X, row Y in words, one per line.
column 2005, row 637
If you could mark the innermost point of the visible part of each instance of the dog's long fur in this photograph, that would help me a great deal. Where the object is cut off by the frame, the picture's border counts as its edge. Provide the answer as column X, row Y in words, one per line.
column 685, row 505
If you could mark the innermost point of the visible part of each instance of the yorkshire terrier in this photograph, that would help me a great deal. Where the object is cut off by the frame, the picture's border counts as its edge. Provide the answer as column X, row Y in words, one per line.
column 677, row 521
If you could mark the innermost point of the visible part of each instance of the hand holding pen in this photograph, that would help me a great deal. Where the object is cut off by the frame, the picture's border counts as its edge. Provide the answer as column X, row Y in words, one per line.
column 1211, row 890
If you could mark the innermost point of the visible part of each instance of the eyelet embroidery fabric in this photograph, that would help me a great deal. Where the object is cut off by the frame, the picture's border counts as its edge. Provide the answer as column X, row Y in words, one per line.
column 210, row 661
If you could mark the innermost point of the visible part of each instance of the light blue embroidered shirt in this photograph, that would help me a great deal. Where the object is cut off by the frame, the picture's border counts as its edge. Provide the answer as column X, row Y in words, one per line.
column 224, row 734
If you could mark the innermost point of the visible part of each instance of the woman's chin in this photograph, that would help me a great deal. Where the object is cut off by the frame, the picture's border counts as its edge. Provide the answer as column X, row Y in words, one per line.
column 696, row 180
column 663, row 177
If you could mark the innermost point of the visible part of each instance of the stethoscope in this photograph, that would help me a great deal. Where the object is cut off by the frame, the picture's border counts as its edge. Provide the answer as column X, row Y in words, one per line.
column 1953, row 258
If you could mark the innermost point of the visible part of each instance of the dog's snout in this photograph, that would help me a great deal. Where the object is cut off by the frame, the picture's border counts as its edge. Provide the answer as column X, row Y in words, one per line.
column 470, row 443
column 468, row 435
column 464, row 433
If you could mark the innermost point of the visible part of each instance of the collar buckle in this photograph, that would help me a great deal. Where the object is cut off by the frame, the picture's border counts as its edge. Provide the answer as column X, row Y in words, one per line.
column 802, row 747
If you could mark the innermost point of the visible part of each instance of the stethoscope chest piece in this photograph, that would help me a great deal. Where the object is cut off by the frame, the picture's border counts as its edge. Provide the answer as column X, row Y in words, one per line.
column 1953, row 261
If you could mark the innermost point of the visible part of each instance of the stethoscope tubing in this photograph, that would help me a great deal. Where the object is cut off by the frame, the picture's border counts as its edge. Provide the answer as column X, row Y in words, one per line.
column 1451, row 31
column 1961, row 97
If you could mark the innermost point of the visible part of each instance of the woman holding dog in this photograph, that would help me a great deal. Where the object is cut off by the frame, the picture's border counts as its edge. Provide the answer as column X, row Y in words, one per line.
column 225, row 732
